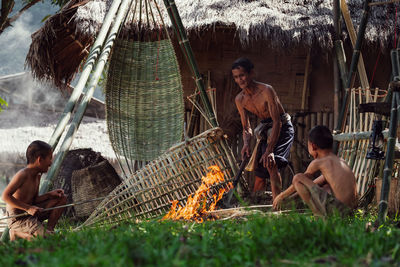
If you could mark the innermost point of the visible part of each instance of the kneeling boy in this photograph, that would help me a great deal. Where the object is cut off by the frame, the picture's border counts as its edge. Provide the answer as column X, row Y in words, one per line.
column 334, row 190
column 22, row 195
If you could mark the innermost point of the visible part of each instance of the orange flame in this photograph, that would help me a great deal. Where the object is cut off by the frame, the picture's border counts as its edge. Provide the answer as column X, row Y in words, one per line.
column 196, row 205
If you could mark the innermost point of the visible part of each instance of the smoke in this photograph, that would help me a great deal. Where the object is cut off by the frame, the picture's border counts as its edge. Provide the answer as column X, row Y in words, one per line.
column 34, row 108
column 15, row 40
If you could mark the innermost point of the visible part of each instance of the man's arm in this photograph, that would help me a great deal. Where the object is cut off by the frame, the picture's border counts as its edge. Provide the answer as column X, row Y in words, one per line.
column 273, row 108
column 309, row 173
column 247, row 131
column 7, row 196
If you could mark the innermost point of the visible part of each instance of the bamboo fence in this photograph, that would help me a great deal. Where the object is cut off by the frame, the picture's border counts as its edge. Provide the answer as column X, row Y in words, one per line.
column 175, row 175
column 354, row 151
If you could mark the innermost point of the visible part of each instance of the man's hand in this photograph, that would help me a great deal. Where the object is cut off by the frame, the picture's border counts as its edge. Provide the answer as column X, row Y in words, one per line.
column 277, row 201
column 58, row 193
column 33, row 210
column 245, row 151
column 268, row 161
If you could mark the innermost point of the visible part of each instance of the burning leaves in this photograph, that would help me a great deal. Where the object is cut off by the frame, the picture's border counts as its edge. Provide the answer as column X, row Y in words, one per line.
column 196, row 205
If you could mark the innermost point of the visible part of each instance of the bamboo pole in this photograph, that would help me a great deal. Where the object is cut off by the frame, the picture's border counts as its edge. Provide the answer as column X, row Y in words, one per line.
column 87, row 69
column 300, row 137
column 336, row 70
column 354, row 63
column 325, row 119
column 387, row 172
column 305, row 83
column 177, row 22
column 89, row 90
column 343, row 137
column 394, row 116
column 319, row 118
column 341, row 58
column 94, row 52
column 353, row 38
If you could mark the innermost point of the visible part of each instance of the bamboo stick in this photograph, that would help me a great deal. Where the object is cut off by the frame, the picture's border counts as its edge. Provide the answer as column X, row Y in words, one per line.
column 300, row 137
column 387, row 172
column 89, row 90
column 305, row 83
column 177, row 22
column 313, row 120
column 94, row 52
column 319, row 118
column 331, row 120
column 87, row 69
column 353, row 37
column 336, row 67
column 341, row 58
column 354, row 63
column 325, row 119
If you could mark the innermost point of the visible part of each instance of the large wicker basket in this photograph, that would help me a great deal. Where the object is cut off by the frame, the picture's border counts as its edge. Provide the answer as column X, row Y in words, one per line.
column 173, row 176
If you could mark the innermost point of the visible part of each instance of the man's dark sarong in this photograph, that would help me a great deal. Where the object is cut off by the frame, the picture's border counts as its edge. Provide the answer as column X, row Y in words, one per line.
column 281, row 149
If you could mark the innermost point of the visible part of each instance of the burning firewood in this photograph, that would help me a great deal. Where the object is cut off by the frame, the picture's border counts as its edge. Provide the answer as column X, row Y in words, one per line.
column 197, row 207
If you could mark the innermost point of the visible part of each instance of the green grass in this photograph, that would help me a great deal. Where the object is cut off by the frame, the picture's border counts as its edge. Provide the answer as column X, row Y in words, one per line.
column 298, row 240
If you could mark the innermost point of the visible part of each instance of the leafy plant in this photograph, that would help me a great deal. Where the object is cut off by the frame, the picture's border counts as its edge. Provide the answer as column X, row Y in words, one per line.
column 2, row 104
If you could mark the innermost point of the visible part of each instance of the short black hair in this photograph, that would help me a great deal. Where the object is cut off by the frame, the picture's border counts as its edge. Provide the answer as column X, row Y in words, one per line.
column 37, row 149
column 243, row 62
column 321, row 136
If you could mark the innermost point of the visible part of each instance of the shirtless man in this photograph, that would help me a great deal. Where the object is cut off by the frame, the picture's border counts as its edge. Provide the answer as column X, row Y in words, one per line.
column 261, row 100
column 333, row 191
column 21, row 195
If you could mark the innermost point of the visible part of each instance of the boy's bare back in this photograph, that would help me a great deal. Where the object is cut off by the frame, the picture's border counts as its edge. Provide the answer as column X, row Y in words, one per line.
column 338, row 175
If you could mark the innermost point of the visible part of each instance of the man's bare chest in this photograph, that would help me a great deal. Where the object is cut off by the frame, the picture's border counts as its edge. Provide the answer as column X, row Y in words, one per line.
column 256, row 105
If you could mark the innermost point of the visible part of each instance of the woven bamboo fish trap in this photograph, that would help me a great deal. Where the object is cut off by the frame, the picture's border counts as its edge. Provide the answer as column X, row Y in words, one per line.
column 173, row 176
column 144, row 95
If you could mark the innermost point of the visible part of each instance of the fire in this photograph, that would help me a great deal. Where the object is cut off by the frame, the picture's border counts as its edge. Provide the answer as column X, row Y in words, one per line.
column 196, row 205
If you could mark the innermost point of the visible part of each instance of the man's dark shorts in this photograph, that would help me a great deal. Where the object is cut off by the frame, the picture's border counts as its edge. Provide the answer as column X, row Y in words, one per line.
column 281, row 149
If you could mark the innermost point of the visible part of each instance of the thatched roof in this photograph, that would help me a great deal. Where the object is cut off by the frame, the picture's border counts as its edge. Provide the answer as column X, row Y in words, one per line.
column 283, row 23
column 279, row 21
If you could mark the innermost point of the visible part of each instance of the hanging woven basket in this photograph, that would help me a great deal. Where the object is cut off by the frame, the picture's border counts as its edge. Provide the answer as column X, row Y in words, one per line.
column 144, row 99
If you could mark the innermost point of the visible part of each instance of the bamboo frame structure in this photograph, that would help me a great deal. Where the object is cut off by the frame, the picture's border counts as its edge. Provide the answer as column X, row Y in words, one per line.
column 88, row 93
column 394, row 120
column 175, row 175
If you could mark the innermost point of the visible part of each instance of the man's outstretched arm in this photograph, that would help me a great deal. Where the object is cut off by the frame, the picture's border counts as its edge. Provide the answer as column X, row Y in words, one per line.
column 247, row 131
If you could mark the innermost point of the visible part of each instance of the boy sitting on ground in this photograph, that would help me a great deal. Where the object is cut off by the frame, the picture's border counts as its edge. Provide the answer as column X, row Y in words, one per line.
column 334, row 190
column 22, row 195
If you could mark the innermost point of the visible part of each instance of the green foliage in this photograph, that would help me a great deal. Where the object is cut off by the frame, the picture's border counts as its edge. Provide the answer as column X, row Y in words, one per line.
column 59, row 3
column 2, row 104
column 274, row 240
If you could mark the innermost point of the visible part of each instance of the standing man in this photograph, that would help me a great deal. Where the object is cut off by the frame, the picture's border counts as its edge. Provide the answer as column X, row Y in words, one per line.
column 276, row 130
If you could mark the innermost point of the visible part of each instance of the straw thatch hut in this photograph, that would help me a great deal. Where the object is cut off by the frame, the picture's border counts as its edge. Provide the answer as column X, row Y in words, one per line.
column 277, row 35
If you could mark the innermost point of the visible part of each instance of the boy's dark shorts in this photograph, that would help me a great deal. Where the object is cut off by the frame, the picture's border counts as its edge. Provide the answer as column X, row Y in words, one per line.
column 281, row 150
column 27, row 224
